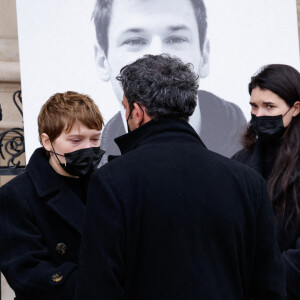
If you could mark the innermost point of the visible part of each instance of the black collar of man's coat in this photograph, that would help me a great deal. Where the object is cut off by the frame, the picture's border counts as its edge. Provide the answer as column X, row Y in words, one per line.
column 166, row 126
column 50, row 186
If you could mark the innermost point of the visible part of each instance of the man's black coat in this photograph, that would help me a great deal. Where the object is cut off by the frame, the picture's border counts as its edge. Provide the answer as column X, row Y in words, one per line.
column 171, row 220
column 41, row 220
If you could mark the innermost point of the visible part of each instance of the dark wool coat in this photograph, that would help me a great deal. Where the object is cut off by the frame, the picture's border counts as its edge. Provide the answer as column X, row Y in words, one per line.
column 171, row 220
column 288, row 236
column 40, row 229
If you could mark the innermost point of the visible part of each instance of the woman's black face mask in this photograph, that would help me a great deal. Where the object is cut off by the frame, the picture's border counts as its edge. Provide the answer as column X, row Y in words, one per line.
column 268, row 128
column 81, row 162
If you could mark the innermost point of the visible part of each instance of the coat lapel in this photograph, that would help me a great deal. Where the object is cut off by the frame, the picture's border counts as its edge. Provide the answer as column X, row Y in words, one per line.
column 56, row 193
column 69, row 207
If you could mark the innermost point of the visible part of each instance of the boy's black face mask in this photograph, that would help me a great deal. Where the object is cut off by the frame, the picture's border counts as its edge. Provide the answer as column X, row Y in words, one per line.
column 81, row 162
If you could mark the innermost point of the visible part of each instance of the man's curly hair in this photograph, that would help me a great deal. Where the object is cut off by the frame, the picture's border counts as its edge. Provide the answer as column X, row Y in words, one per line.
column 164, row 85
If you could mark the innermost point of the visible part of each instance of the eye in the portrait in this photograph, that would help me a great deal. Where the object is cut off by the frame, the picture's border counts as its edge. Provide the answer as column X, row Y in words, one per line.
column 176, row 39
column 135, row 42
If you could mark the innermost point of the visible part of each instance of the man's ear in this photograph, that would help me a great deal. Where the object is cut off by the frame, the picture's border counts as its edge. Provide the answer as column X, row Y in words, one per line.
column 204, row 68
column 46, row 142
column 296, row 108
column 138, row 114
column 102, row 63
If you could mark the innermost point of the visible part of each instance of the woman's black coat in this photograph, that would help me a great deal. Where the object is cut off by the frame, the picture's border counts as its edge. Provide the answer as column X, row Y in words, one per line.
column 288, row 235
column 40, row 229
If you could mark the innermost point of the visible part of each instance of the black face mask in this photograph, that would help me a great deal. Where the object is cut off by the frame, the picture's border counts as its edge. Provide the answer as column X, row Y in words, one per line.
column 268, row 128
column 81, row 162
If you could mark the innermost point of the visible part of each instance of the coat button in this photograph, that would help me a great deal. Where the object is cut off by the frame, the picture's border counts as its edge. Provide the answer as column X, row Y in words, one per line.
column 57, row 277
column 61, row 248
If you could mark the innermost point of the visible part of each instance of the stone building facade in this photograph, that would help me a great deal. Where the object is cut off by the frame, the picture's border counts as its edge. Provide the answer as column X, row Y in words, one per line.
column 9, row 83
column 9, row 76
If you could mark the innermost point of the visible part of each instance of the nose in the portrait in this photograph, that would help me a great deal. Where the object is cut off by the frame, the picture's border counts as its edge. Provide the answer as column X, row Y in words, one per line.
column 156, row 46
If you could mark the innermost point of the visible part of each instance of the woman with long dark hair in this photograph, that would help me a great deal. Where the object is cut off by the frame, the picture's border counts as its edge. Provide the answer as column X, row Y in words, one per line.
column 272, row 147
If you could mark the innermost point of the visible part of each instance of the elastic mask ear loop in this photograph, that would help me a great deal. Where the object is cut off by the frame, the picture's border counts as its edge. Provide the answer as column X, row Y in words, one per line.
column 57, row 154
column 129, row 114
column 128, row 129
column 288, row 111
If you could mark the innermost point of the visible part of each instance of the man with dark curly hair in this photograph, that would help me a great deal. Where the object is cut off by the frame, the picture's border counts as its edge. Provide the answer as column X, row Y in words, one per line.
column 169, row 219
column 128, row 29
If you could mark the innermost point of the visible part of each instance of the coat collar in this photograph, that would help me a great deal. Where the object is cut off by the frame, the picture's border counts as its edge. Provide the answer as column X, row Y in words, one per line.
column 51, row 187
column 133, row 139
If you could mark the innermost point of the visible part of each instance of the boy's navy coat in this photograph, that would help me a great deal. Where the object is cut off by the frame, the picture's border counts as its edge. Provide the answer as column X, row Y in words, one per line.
column 41, row 221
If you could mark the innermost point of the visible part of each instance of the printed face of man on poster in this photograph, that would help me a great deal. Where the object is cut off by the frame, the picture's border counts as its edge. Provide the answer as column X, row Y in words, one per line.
column 128, row 29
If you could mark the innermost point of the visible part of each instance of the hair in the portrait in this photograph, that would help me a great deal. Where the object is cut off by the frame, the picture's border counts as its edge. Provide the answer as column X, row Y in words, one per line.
column 284, row 81
column 164, row 85
column 62, row 110
column 103, row 10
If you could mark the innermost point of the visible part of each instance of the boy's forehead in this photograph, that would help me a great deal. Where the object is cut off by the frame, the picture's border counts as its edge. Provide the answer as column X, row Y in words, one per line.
column 72, row 126
column 77, row 128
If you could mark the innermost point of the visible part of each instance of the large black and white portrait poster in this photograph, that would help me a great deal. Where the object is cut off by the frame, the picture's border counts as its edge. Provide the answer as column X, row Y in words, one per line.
column 81, row 45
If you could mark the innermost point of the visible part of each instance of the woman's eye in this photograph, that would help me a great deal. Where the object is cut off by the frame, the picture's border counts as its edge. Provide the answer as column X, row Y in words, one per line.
column 270, row 106
column 253, row 105
column 75, row 140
